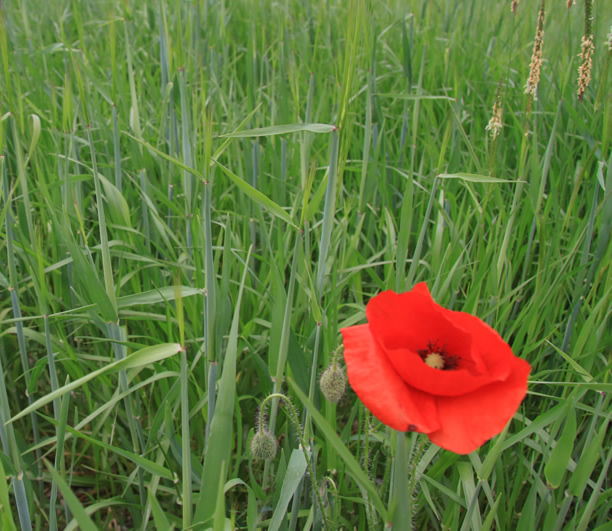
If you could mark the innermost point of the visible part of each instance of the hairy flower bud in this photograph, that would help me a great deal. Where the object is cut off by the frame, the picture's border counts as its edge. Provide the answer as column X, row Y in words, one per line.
column 263, row 445
column 333, row 383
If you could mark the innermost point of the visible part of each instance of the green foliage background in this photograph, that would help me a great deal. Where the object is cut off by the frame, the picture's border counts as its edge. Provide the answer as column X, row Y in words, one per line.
column 178, row 241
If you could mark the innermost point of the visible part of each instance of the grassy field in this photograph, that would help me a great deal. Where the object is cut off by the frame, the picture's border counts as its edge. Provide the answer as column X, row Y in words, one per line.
column 197, row 195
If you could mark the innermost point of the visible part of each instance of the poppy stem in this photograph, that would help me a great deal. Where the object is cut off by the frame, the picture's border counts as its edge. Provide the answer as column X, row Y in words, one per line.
column 367, row 466
column 400, row 504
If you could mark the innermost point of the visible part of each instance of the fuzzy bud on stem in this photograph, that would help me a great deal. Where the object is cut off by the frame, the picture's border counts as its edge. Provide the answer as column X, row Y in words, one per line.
column 263, row 445
column 333, row 380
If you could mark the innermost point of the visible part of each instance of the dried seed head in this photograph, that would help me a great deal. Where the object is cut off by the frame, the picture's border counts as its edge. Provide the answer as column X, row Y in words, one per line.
column 514, row 5
column 263, row 445
column 570, row 3
column 333, row 383
column 531, row 86
column 584, row 70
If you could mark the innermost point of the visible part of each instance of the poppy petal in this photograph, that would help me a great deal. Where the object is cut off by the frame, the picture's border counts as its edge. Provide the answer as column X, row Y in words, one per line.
column 416, row 373
column 411, row 320
column 381, row 389
column 403, row 324
column 495, row 353
column 468, row 421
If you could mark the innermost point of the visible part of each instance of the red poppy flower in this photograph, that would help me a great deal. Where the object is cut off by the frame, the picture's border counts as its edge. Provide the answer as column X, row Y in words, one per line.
column 420, row 367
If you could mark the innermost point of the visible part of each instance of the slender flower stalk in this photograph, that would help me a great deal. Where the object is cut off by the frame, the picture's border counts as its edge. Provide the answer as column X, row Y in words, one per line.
column 535, row 66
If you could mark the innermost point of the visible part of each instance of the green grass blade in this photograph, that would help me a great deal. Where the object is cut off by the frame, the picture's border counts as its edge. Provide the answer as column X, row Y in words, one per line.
column 475, row 178
column 400, row 506
column 6, row 516
column 167, row 157
column 218, row 456
column 142, row 462
column 587, row 462
column 159, row 517
column 353, row 466
column 329, row 213
column 281, row 130
column 562, row 452
column 81, row 516
column 155, row 296
column 294, row 474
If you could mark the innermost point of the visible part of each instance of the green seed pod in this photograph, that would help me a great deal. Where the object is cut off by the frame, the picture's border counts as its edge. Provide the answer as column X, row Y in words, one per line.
column 263, row 445
column 333, row 384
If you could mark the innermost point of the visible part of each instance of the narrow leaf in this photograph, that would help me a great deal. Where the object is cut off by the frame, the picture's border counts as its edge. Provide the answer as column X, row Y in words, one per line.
column 293, row 476
column 282, row 129
column 218, row 451
column 475, row 178
column 156, row 295
column 587, row 462
column 80, row 515
column 562, row 452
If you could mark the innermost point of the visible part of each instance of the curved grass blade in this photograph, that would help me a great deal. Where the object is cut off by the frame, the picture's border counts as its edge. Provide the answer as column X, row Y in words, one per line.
column 257, row 196
column 169, row 158
column 145, row 356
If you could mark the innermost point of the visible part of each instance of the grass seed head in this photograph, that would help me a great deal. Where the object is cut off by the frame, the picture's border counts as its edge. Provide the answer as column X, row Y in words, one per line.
column 531, row 87
column 495, row 123
column 586, row 65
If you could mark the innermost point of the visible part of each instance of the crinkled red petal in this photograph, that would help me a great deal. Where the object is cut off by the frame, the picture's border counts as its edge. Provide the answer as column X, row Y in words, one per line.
column 494, row 352
column 403, row 324
column 468, row 421
column 381, row 389
column 412, row 320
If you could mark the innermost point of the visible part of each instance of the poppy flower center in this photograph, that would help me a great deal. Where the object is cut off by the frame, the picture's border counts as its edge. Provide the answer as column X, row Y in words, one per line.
column 437, row 357
column 435, row 360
